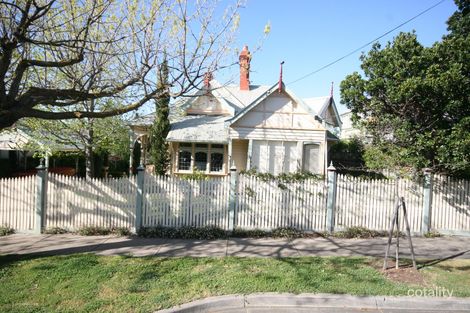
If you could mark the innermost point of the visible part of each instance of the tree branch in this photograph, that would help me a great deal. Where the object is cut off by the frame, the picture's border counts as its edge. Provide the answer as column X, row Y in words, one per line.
column 84, row 114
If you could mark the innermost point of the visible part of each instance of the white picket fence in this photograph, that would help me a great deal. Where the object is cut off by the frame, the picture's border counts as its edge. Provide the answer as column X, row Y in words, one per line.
column 272, row 204
column 175, row 202
column 451, row 204
column 370, row 202
column 72, row 203
column 18, row 202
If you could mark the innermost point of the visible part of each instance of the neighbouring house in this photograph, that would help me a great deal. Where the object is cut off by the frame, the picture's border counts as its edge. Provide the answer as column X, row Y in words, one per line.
column 349, row 130
column 17, row 148
column 267, row 128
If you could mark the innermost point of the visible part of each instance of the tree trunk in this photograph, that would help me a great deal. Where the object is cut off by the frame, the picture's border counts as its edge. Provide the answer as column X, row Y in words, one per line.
column 89, row 164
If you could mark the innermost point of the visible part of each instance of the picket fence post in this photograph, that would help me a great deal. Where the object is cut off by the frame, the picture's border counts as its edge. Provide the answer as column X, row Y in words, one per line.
column 232, row 198
column 41, row 178
column 427, row 201
column 331, row 200
column 139, row 198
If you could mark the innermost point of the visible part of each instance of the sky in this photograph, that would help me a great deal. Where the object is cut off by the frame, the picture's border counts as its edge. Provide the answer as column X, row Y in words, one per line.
column 308, row 34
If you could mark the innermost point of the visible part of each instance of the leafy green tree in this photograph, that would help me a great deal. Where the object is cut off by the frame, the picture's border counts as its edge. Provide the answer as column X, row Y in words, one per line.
column 43, row 42
column 110, row 137
column 159, row 154
column 414, row 100
column 348, row 153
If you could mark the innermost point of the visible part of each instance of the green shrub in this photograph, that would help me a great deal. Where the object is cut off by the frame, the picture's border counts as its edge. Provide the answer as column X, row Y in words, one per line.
column 358, row 232
column 283, row 178
column 55, row 231
column 94, row 231
column 432, row 234
column 207, row 232
column 196, row 175
column 121, row 231
column 282, row 232
column 250, row 233
column 348, row 153
column 213, row 232
column 157, row 232
column 5, row 230
column 287, row 232
column 362, row 232
column 185, row 232
column 103, row 231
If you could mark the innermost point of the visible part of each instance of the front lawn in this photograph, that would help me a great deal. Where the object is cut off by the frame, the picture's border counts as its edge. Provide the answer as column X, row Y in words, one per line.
column 91, row 283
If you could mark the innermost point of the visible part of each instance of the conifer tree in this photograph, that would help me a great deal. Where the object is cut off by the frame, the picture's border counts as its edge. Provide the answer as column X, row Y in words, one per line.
column 159, row 154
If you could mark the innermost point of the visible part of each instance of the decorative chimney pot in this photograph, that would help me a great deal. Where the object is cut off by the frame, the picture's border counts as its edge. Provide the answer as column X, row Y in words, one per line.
column 244, row 60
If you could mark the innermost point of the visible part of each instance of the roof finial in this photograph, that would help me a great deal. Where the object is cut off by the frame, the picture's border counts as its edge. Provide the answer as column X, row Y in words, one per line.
column 280, row 78
column 331, row 90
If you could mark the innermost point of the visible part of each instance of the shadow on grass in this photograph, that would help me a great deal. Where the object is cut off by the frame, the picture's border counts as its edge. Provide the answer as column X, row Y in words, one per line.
column 421, row 264
column 437, row 261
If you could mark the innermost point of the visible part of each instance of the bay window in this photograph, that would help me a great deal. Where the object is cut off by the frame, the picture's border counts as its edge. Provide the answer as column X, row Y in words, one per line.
column 207, row 158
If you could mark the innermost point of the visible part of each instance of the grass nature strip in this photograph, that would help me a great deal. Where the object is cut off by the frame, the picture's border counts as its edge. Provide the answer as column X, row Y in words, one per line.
column 92, row 283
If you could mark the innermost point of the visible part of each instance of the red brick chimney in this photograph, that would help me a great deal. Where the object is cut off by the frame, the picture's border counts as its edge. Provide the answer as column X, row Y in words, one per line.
column 244, row 60
column 207, row 79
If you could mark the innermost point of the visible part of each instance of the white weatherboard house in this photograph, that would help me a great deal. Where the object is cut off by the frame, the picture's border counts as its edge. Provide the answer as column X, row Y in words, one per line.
column 267, row 128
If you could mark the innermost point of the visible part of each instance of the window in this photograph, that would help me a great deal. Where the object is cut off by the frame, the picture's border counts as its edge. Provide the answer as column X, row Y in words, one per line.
column 217, row 162
column 311, row 158
column 184, row 156
column 274, row 157
column 207, row 158
column 184, row 160
column 200, row 157
column 217, row 158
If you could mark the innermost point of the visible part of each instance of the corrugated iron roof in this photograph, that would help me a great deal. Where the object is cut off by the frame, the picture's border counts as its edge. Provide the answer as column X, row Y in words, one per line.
column 199, row 128
column 318, row 104
column 228, row 95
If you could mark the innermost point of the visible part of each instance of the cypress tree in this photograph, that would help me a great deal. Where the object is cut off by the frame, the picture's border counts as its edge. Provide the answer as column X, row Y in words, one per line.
column 159, row 154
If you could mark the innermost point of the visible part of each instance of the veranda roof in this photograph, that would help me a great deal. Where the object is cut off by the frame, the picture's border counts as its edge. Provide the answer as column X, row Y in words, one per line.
column 199, row 128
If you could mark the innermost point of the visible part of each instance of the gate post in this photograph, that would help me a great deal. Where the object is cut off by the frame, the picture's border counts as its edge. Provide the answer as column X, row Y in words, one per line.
column 41, row 178
column 232, row 198
column 427, row 201
column 331, row 200
column 139, row 198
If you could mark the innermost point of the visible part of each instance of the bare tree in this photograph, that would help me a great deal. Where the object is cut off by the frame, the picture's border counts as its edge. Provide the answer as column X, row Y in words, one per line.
column 59, row 58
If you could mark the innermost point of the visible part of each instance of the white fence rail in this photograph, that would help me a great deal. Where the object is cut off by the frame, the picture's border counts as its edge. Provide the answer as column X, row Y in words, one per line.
column 450, row 204
column 175, row 202
column 272, row 204
column 18, row 202
column 72, row 203
column 370, row 202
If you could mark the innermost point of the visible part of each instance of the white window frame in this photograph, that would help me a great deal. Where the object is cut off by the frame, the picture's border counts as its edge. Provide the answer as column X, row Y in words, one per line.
column 191, row 164
column 209, row 150
column 209, row 158
column 206, row 150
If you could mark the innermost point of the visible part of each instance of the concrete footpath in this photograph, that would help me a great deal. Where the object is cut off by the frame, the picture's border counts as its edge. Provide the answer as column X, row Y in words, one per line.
column 432, row 248
column 276, row 303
